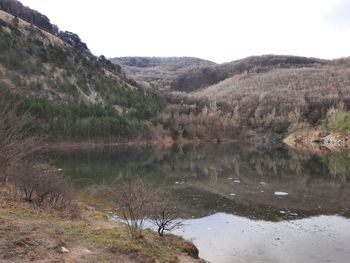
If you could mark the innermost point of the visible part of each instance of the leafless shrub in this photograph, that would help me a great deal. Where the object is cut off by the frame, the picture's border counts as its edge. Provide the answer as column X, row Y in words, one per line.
column 165, row 217
column 134, row 202
column 16, row 138
column 139, row 202
column 45, row 187
column 196, row 122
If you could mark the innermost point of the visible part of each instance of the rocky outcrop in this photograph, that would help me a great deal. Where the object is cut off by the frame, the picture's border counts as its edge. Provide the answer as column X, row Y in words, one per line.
column 320, row 140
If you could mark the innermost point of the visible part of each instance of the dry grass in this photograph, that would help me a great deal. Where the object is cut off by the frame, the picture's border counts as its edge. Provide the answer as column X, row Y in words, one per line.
column 29, row 234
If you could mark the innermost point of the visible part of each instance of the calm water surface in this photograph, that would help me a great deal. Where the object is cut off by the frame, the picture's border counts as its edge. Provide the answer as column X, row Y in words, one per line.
column 240, row 203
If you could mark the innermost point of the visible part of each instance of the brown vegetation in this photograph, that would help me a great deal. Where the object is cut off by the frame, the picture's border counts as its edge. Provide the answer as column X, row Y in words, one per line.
column 159, row 72
column 138, row 202
column 203, row 77
column 267, row 100
column 17, row 140
column 45, row 187
column 134, row 202
column 195, row 121
column 28, row 234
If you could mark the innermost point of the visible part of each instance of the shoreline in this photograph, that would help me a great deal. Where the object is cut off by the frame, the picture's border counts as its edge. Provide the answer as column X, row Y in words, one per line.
column 87, row 145
column 34, row 234
column 318, row 141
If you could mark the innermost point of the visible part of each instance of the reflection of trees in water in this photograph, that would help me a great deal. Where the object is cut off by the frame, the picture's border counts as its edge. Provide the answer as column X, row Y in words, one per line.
column 338, row 165
column 212, row 169
column 237, row 161
column 204, row 163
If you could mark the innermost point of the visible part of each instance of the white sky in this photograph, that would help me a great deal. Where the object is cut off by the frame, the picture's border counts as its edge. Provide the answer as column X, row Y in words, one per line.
column 217, row 30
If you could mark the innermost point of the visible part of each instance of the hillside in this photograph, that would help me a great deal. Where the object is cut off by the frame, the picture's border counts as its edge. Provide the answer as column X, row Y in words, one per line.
column 281, row 97
column 69, row 91
column 189, row 74
column 73, row 94
column 199, row 78
column 159, row 72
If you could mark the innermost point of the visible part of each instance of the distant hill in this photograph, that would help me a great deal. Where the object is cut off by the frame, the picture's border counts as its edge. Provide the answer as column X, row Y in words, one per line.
column 281, row 96
column 159, row 72
column 270, row 92
column 198, row 78
column 189, row 74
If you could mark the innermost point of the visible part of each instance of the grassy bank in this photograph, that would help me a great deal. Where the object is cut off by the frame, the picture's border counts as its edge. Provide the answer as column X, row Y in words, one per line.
column 30, row 234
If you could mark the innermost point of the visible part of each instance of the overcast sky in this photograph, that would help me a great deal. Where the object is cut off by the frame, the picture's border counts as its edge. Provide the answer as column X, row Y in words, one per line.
column 217, row 30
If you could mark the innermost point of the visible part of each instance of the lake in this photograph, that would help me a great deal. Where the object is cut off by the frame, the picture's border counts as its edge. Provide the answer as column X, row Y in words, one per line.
column 241, row 203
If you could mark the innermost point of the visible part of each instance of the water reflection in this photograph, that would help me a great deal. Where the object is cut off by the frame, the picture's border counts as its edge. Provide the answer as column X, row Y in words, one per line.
column 226, row 238
column 242, row 203
column 232, row 178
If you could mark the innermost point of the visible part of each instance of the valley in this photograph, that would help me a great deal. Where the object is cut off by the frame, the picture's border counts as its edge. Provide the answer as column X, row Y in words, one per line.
column 241, row 161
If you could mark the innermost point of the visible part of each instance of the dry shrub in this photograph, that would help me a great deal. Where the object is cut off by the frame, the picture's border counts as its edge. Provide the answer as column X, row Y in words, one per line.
column 17, row 140
column 46, row 188
column 164, row 216
column 134, row 201
column 138, row 202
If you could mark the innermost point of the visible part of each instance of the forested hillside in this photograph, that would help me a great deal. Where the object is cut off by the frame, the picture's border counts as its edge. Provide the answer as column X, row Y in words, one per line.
column 189, row 74
column 199, row 78
column 281, row 98
column 69, row 91
column 159, row 72
column 73, row 94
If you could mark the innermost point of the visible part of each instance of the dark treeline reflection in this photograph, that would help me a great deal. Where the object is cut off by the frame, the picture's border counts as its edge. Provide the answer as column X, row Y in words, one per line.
column 233, row 178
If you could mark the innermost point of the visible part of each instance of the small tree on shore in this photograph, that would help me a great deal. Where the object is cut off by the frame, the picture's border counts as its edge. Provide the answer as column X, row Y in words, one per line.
column 134, row 201
column 166, row 219
column 138, row 202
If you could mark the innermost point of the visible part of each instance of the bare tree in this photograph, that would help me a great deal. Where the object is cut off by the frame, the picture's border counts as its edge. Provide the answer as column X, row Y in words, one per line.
column 46, row 187
column 139, row 202
column 134, row 201
column 166, row 219
column 17, row 140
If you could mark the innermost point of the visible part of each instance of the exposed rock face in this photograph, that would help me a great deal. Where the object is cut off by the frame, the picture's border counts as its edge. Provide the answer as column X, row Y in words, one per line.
column 320, row 140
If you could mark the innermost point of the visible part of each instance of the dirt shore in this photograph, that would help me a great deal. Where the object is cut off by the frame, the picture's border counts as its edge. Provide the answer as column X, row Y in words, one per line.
column 28, row 234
